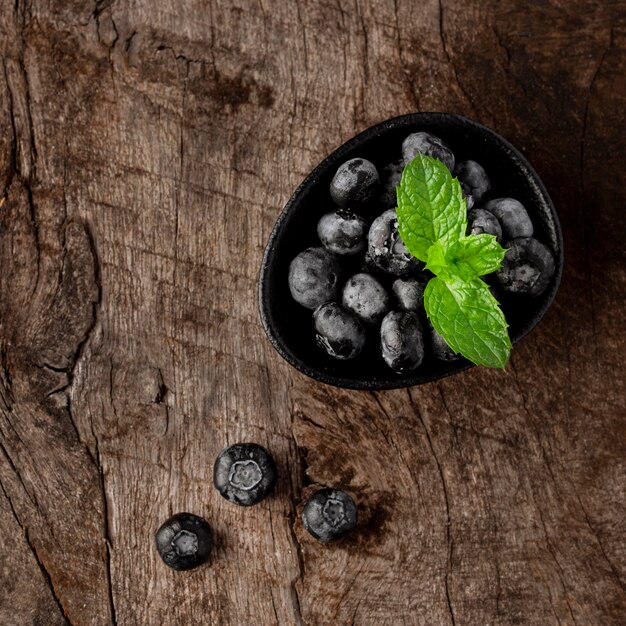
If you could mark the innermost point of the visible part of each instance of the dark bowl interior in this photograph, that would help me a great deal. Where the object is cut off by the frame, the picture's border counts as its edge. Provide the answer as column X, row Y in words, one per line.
column 289, row 326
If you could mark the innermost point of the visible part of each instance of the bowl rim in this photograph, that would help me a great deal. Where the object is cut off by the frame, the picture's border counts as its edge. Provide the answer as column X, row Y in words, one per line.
column 409, row 119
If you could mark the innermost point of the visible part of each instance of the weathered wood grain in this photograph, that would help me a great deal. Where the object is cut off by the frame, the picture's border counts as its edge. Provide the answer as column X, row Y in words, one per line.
column 146, row 149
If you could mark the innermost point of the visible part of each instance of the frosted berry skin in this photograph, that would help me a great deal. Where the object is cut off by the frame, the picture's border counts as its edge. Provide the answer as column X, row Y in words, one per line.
column 390, row 177
column 385, row 248
column 244, row 473
column 512, row 216
column 314, row 277
column 355, row 184
column 366, row 298
column 184, row 541
column 329, row 515
column 425, row 143
column 409, row 293
column 401, row 341
column 527, row 269
column 343, row 232
column 338, row 332
column 480, row 221
column 473, row 177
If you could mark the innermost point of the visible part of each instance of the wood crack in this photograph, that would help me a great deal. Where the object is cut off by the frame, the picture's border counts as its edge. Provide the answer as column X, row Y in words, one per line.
column 181, row 157
column 447, row 509
column 305, row 51
column 617, row 575
column 32, row 497
column 297, row 547
column 405, row 69
column 551, row 549
column 449, row 58
column 507, row 52
column 560, row 573
column 397, row 449
column 27, row 177
column 75, row 359
column 295, row 595
column 33, row 550
column 342, row 13
column 76, row 356
column 587, row 231
column 107, row 535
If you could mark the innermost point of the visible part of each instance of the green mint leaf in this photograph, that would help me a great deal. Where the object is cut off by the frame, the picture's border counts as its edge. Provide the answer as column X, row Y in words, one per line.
column 470, row 320
column 430, row 206
column 437, row 260
column 473, row 256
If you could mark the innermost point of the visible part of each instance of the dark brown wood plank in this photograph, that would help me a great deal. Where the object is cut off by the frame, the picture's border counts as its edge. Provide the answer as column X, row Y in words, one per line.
column 145, row 151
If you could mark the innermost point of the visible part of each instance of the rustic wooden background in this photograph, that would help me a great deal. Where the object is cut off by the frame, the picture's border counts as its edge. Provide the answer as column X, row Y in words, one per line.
column 146, row 149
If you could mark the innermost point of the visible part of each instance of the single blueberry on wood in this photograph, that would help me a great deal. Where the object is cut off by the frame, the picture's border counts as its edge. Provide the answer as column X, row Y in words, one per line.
column 314, row 277
column 385, row 248
column 342, row 232
column 366, row 298
column 512, row 216
column 409, row 293
column 527, row 269
column 244, row 473
column 355, row 184
column 473, row 178
column 329, row 514
column 338, row 332
column 184, row 541
column 425, row 143
column 480, row 221
column 401, row 341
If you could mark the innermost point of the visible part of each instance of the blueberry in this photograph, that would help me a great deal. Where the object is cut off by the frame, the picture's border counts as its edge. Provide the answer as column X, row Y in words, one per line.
column 425, row 143
column 314, row 277
column 473, row 177
column 342, row 232
column 467, row 195
column 512, row 216
column 440, row 348
column 366, row 298
column 527, row 269
column 338, row 331
column 401, row 341
column 409, row 293
column 355, row 183
column 184, row 541
column 329, row 514
column 390, row 177
column 244, row 473
column 385, row 248
column 480, row 221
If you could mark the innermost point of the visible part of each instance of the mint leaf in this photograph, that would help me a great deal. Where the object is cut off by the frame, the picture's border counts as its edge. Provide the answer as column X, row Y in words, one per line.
column 470, row 320
column 430, row 206
column 437, row 260
column 473, row 256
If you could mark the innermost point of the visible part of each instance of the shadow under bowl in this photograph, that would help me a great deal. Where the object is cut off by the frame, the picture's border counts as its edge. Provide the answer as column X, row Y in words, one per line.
column 289, row 326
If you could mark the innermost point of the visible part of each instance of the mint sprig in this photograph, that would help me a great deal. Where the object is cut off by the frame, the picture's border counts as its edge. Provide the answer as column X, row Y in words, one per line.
column 432, row 221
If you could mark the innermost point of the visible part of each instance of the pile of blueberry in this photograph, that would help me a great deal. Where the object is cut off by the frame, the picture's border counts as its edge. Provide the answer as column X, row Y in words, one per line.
column 363, row 285
column 245, row 474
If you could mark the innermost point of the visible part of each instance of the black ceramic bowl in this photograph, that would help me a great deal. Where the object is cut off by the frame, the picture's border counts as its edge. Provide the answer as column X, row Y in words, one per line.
column 289, row 326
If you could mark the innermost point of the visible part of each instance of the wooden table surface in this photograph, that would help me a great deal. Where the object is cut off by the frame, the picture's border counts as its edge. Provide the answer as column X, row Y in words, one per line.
column 146, row 149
